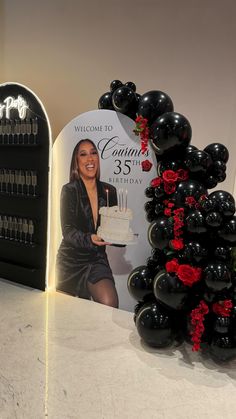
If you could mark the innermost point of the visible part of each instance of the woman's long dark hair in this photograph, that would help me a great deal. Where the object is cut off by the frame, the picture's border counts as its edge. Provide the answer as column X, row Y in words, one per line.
column 74, row 168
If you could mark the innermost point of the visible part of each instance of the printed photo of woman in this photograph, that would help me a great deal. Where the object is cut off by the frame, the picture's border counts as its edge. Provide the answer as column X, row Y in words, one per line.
column 82, row 265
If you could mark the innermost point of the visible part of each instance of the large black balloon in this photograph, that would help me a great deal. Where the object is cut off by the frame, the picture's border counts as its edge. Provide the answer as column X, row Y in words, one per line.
column 170, row 291
column 160, row 232
column 153, row 104
column 217, row 151
column 223, row 347
column 217, row 276
column 169, row 165
column 124, row 100
column 198, row 162
column 170, row 132
column 195, row 222
column 105, row 101
column 228, row 232
column 155, row 325
column 140, row 282
column 188, row 188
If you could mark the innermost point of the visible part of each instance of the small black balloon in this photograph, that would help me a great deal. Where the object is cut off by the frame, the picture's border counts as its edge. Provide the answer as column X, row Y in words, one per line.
column 124, row 100
column 222, row 324
column 189, row 150
column 131, row 85
column 222, row 253
column 105, row 101
column 140, row 282
column 213, row 219
column 160, row 232
column 218, row 167
column 149, row 205
column 170, row 132
column 159, row 192
column 224, row 202
column 195, row 222
column 223, row 347
column 155, row 325
column 149, row 192
column 198, row 162
column 170, row 291
column 153, row 104
column 228, row 232
column 169, row 165
column 210, row 182
column 217, row 151
column 217, row 276
column 194, row 252
column 115, row 84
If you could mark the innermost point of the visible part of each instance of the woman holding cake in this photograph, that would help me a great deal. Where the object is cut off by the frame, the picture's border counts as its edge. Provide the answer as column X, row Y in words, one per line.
column 82, row 265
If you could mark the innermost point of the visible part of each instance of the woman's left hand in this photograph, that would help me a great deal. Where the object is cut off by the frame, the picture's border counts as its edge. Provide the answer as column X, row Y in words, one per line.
column 98, row 241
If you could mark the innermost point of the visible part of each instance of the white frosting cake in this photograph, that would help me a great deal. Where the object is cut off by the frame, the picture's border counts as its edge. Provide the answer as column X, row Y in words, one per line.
column 115, row 225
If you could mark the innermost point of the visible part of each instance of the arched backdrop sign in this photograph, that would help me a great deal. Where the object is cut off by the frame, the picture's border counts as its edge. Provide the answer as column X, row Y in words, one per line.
column 120, row 160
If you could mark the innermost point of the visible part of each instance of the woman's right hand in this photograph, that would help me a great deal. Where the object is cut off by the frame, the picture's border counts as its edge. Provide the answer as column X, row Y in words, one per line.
column 98, row 240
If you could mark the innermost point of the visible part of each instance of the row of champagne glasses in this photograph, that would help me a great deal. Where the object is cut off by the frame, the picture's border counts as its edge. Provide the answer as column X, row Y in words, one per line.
column 18, row 131
column 17, row 229
column 18, row 182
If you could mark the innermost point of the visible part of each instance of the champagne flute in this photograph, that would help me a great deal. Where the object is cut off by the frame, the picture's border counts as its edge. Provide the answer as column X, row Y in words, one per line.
column 23, row 130
column 28, row 181
column 22, row 181
column 31, row 231
column 35, row 129
column 20, row 228
column 17, row 131
column 15, row 227
column 12, row 180
column 28, row 130
column 7, row 180
column 10, row 227
column 25, row 229
column 34, row 181
column 1, row 179
column 5, row 226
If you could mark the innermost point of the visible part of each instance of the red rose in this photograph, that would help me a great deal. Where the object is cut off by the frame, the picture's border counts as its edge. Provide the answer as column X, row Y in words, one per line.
column 177, row 244
column 167, row 212
column 146, row 165
column 189, row 275
column 172, row 265
column 156, row 182
column 169, row 188
column 182, row 174
column 169, row 176
column 223, row 308
column 190, row 201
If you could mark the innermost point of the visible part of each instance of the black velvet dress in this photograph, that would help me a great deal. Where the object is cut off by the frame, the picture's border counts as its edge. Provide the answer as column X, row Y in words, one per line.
column 78, row 259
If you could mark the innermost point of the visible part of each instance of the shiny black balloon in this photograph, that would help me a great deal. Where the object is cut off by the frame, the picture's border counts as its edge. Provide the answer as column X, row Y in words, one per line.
column 222, row 324
column 213, row 219
column 105, row 101
column 160, row 232
column 188, row 188
column 115, row 84
column 218, row 167
column 170, row 291
column 195, row 222
column 220, row 177
column 159, row 192
column 217, row 276
column 155, row 325
column 210, row 182
column 124, row 100
column 226, row 208
column 169, row 165
column 223, row 347
column 198, row 162
column 228, row 232
column 194, row 252
column 153, row 104
column 159, row 209
column 159, row 256
column 224, row 202
column 149, row 205
column 131, row 85
column 222, row 253
column 151, row 215
column 208, row 205
column 170, row 132
column 149, row 192
column 217, row 151
column 140, row 282
column 189, row 150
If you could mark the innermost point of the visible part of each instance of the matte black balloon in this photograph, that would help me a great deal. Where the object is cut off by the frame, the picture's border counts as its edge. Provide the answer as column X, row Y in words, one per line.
column 105, row 101
column 194, row 252
column 131, row 85
column 189, row 188
column 155, row 325
column 115, row 84
column 198, row 162
column 149, row 192
column 170, row 132
column 170, row 291
column 218, row 152
column 160, row 232
column 213, row 219
column 223, row 348
column 124, row 100
column 228, row 232
column 153, row 104
column 217, row 276
column 222, row 324
column 195, row 222
column 140, row 282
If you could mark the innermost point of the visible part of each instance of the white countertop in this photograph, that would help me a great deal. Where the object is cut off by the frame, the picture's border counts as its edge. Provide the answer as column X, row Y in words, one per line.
column 66, row 358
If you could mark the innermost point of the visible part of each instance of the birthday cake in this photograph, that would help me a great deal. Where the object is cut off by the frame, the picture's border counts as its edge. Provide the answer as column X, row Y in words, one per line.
column 115, row 225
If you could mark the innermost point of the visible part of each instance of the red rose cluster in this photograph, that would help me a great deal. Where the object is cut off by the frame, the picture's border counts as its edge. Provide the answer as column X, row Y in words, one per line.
column 186, row 273
column 191, row 202
column 223, row 308
column 169, row 179
column 143, row 130
column 197, row 322
column 178, row 216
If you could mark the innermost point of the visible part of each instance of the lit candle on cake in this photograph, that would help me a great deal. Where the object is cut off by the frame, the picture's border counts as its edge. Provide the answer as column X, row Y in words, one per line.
column 126, row 199
column 107, row 192
column 119, row 203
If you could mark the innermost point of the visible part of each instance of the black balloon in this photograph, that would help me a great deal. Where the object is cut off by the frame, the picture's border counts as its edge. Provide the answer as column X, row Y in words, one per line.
column 198, row 162
column 149, row 192
column 115, row 84
column 159, row 209
column 223, row 347
column 224, row 202
column 170, row 291
column 155, row 325
column 222, row 324
column 188, row 188
column 195, row 222
column 149, row 205
column 169, row 165
column 194, row 252
column 124, row 100
column 228, row 232
column 160, row 232
column 217, row 276
column 153, row 104
column 159, row 192
column 170, row 132
column 217, row 151
column 222, row 253
column 210, row 182
column 218, row 167
column 189, row 150
column 131, row 85
column 140, row 282
column 213, row 219
column 105, row 101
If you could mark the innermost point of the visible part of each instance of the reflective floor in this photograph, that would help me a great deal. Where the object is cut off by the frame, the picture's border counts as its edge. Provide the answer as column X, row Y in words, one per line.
column 62, row 357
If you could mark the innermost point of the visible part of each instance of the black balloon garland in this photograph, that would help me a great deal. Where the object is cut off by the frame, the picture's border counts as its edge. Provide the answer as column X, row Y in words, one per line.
column 188, row 286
